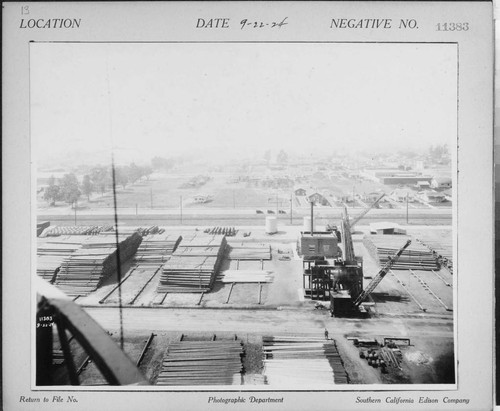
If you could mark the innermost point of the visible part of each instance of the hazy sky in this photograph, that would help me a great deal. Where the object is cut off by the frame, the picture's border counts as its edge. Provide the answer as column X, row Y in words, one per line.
column 164, row 99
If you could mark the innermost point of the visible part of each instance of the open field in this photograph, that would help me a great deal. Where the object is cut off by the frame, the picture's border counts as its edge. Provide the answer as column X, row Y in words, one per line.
column 173, row 191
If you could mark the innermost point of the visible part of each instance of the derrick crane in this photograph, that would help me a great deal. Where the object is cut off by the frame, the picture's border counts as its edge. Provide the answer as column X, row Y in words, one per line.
column 365, row 211
column 349, row 256
column 379, row 277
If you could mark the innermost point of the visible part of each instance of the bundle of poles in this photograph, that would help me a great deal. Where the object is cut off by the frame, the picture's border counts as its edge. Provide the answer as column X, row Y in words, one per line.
column 415, row 257
column 296, row 361
column 249, row 251
column 156, row 249
column 194, row 265
column 55, row 231
column 202, row 363
column 83, row 270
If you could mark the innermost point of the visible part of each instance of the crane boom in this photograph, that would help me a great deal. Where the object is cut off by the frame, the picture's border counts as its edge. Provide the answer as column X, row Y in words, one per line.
column 381, row 274
column 347, row 239
column 365, row 211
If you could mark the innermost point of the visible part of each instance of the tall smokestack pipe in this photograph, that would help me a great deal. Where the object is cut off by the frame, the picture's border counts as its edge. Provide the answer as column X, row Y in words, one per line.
column 312, row 218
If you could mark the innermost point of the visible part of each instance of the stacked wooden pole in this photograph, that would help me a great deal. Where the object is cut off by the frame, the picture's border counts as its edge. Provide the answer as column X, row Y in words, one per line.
column 249, row 251
column 143, row 231
column 442, row 251
column 193, row 266
column 156, row 249
column 302, row 361
column 40, row 227
column 246, row 276
column 202, row 363
column 56, row 231
column 51, row 253
column 415, row 257
column 83, row 271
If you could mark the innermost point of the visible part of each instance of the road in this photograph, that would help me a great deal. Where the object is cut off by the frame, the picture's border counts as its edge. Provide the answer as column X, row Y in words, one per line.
column 265, row 322
column 236, row 217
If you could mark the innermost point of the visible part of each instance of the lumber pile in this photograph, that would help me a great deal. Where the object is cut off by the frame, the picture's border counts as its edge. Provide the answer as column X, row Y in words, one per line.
column 249, row 251
column 51, row 252
column 84, row 270
column 188, row 274
column 227, row 231
column 442, row 251
column 415, row 257
column 56, row 231
column 246, row 276
column 143, row 231
column 193, row 266
column 298, row 361
column 156, row 249
column 40, row 227
column 202, row 363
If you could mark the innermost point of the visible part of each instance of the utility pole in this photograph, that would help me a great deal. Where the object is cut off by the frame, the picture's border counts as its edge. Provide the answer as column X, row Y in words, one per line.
column 406, row 207
column 181, row 209
column 291, row 209
column 151, row 197
column 277, row 212
column 75, row 205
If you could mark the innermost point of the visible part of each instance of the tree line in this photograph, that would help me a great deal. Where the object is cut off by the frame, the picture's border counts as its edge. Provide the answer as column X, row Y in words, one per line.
column 98, row 180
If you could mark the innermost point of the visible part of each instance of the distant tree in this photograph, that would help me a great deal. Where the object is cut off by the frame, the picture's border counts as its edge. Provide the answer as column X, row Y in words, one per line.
column 267, row 156
column 161, row 163
column 52, row 192
column 134, row 172
column 87, row 186
column 100, row 177
column 282, row 157
column 70, row 190
column 121, row 176
column 147, row 171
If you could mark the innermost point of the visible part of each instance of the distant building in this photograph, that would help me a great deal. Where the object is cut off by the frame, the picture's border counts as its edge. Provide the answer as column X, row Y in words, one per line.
column 386, row 228
column 373, row 196
column 433, row 197
column 441, row 183
column 401, row 194
column 318, row 198
column 405, row 180
column 300, row 191
column 394, row 176
column 423, row 185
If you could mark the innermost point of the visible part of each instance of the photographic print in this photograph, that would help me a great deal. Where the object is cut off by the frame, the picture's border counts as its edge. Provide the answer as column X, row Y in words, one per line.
column 284, row 216
column 278, row 205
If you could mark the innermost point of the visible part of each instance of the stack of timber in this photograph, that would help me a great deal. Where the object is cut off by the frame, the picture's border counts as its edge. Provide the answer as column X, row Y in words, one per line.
column 156, row 249
column 442, row 251
column 415, row 257
column 202, row 363
column 227, row 231
column 84, row 270
column 246, row 276
column 300, row 361
column 143, row 231
column 193, row 266
column 51, row 253
column 40, row 227
column 249, row 251
column 56, row 231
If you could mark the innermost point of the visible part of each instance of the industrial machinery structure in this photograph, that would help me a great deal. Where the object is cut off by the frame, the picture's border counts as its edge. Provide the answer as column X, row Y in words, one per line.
column 326, row 272
column 337, row 276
